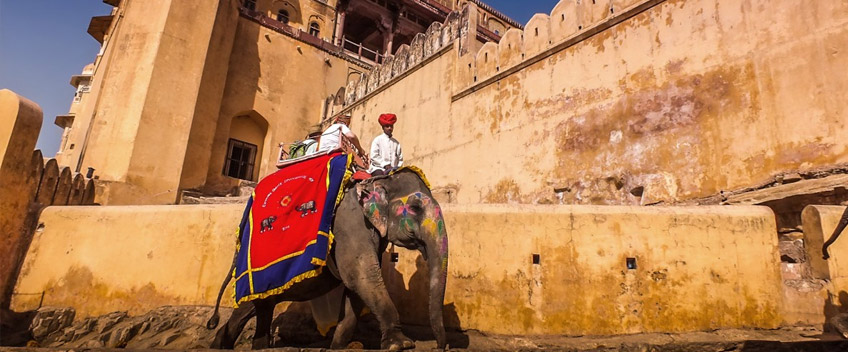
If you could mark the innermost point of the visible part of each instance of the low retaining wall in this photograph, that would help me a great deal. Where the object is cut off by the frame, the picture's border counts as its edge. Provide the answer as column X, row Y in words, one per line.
column 513, row 269
column 128, row 258
column 819, row 221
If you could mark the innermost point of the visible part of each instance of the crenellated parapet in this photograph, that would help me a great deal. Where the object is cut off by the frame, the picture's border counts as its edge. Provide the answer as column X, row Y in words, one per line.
column 422, row 47
column 569, row 22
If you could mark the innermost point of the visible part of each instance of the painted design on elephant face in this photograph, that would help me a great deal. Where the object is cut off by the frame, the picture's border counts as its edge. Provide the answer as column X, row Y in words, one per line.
column 372, row 210
column 370, row 204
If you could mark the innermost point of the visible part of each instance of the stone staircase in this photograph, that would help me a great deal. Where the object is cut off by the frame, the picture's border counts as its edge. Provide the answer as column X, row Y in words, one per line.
column 238, row 196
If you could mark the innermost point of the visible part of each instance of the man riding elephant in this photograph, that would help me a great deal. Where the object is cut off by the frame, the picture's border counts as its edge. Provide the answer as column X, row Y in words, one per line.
column 399, row 209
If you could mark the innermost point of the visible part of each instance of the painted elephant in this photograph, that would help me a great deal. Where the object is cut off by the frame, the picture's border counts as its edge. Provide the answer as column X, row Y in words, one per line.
column 398, row 209
column 836, row 232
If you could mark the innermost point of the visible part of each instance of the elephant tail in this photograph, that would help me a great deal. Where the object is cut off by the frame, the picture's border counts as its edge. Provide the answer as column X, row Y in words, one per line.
column 213, row 320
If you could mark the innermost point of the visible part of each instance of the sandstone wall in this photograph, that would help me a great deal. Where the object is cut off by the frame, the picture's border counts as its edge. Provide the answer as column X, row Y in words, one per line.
column 624, row 102
column 278, row 82
column 128, row 258
column 167, row 87
column 28, row 183
column 20, row 123
column 693, row 268
column 819, row 221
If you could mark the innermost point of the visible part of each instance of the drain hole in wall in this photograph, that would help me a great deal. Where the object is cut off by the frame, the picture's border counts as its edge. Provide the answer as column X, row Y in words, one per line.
column 394, row 257
column 537, row 259
column 631, row 263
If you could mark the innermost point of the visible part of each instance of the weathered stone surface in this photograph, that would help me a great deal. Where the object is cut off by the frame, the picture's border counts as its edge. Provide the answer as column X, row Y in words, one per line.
column 171, row 327
column 50, row 320
column 416, row 50
column 792, row 251
column 291, row 333
column 840, row 323
column 433, row 39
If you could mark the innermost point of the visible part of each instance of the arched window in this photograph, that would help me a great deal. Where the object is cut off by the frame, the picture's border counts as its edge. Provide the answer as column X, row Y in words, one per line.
column 314, row 29
column 250, row 4
column 283, row 16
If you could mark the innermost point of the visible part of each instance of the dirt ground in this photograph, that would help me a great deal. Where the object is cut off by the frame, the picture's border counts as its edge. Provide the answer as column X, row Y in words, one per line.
column 182, row 328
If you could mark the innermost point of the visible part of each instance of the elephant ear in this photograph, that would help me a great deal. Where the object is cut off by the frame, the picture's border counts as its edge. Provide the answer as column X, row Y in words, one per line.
column 375, row 205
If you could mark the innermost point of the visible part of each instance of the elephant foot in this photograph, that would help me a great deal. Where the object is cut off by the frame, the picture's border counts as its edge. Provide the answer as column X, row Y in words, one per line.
column 395, row 340
column 355, row 345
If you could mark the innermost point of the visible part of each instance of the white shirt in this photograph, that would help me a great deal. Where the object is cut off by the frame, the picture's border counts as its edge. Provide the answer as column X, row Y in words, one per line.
column 312, row 148
column 331, row 139
column 385, row 153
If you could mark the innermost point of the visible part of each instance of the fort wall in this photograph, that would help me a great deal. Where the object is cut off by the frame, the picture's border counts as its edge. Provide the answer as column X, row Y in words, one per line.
column 20, row 122
column 168, row 91
column 819, row 221
column 273, row 81
column 692, row 268
column 28, row 184
column 622, row 102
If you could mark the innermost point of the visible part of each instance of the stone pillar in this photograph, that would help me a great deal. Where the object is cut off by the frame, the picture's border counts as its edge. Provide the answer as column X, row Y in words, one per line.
column 468, row 42
column 20, row 123
column 341, row 12
column 166, row 84
column 389, row 35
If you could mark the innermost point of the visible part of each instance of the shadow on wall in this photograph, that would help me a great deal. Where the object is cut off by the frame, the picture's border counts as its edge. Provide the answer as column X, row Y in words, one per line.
column 412, row 304
column 14, row 328
column 836, row 313
column 244, row 84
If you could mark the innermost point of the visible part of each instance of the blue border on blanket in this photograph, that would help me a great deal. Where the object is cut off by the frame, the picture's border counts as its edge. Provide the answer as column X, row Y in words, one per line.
column 278, row 274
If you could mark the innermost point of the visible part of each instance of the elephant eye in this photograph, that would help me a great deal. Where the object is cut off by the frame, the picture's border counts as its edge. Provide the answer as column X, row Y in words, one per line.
column 416, row 207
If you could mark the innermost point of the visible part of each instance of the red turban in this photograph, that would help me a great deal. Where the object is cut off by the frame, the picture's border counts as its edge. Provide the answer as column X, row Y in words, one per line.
column 388, row 119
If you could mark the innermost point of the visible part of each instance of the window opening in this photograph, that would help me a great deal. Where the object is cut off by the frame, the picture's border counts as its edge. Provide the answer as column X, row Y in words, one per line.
column 314, row 29
column 283, row 16
column 241, row 156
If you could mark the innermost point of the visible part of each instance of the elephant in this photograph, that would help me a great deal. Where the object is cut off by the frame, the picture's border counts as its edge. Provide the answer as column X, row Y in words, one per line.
column 836, row 232
column 267, row 224
column 398, row 209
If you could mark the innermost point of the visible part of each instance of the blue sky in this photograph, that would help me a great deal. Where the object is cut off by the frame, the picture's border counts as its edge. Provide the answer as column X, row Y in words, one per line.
column 44, row 42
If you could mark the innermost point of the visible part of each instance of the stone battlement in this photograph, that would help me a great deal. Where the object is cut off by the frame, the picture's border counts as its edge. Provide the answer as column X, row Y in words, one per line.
column 569, row 22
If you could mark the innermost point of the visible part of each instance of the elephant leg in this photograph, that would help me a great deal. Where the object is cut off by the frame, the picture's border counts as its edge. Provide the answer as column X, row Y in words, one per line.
column 264, row 316
column 226, row 336
column 347, row 325
column 366, row 280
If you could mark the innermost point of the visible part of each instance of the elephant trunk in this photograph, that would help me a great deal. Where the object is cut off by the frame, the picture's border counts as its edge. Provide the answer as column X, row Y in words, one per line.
column 436, row 246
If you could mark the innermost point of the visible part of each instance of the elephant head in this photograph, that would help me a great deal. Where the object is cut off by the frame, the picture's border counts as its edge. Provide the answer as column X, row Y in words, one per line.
column 402, row 209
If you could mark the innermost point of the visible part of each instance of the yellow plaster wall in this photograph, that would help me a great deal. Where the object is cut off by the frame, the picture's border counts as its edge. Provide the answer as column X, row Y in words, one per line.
column 247, row 129
column 819, row 221
column 20, row 123
column 124, row 81
column 685, row 99
column 302, row 13
column 277, row 79
column 155, row 101
column 128, row 258
column 697, row 268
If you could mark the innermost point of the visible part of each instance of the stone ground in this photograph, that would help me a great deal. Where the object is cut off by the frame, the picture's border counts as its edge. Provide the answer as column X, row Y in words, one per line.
column 182, row 328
